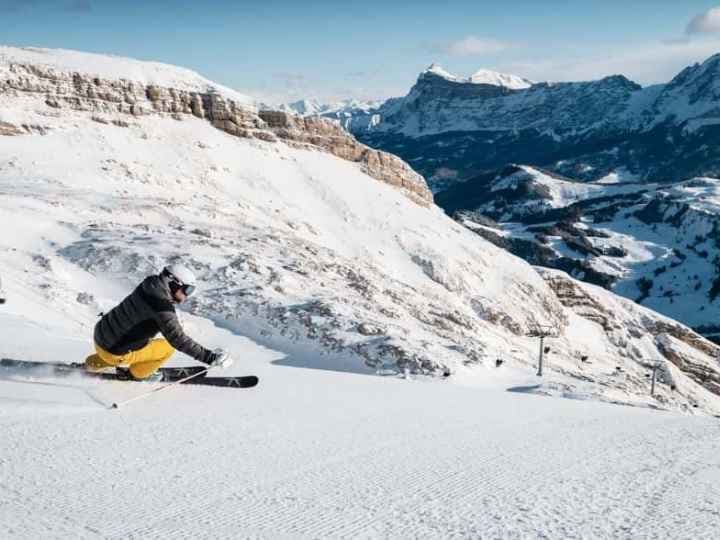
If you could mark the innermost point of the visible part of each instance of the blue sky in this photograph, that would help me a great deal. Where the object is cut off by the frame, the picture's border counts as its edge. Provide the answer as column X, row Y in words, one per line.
column 283, row 50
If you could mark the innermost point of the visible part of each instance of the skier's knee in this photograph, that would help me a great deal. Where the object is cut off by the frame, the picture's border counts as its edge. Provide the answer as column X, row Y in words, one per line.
column 162, row 349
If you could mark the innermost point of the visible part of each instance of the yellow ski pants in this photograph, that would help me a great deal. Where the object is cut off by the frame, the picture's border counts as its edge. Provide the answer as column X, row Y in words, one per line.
column 142, row 363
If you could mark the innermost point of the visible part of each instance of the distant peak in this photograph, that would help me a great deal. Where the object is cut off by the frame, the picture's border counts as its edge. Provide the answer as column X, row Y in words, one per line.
column 436, row 69
column 487, row 76
column 483, row 76
column 711, row 63
column 709, row 67
column 714, row 59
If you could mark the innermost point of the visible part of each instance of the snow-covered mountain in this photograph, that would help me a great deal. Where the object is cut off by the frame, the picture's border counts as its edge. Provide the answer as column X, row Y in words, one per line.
column 362, row 116
column 303, row 107
column 487, row 76
column 450, row 129
column 480, row 77
column 312, row 107
column 345, row 112
column 304, row 240
column 655, row 243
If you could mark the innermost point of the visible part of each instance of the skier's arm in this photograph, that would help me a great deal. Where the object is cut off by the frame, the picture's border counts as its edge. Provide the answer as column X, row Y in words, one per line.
column 171, row 330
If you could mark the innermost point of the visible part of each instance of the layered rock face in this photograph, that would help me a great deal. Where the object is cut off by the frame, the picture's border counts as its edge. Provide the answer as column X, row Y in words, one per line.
column 431, row 85
column 444, row 125
column 123, row 98
column 438, row 105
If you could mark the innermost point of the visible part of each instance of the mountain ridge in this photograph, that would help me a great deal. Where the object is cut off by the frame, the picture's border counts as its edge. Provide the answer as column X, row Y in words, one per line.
column 450, row 130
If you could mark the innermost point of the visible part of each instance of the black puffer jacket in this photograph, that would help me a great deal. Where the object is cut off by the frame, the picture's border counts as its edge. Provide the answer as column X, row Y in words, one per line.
column 148, row 310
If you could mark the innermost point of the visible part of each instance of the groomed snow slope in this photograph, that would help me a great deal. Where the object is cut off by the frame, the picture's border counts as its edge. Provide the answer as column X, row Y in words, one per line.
column 313, row 453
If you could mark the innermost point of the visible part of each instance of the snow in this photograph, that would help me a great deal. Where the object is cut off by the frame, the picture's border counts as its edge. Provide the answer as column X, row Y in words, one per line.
column 436, row 69
column 287, row 244
column 619, row 176
column 277, row 219
column 562, row 110
column 487, row 76
column 681, row 284
column 329, row 454
column 558, row 193
column 340, row 109
column 482, row 76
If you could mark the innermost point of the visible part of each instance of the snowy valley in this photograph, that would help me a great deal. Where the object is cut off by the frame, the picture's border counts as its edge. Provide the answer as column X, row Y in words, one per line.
column 654, row 243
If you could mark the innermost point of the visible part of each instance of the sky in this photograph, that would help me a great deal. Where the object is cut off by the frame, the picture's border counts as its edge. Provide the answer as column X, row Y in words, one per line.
column 284, row 50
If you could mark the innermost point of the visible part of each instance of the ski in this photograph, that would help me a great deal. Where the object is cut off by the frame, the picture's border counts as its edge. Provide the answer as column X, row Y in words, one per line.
column 244, row 381
column 170, row 374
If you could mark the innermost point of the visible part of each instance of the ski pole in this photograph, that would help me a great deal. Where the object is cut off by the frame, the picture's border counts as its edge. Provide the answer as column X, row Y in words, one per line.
column 117, row 404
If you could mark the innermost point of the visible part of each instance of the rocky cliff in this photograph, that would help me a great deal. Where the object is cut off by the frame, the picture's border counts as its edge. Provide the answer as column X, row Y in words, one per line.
column 117, row 101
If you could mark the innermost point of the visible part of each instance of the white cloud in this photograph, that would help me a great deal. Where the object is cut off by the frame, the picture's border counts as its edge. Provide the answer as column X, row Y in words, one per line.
column 649, row 64
column 474, row 46
column 705, row 23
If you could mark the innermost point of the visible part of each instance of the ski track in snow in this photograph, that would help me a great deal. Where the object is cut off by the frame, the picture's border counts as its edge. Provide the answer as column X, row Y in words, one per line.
column 319, row 454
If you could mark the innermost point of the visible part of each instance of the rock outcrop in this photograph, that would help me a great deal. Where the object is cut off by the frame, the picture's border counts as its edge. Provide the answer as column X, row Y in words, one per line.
column 82, row 92
column 690, row 353
column 331, row 137
column 8, row 129
column 573, row 296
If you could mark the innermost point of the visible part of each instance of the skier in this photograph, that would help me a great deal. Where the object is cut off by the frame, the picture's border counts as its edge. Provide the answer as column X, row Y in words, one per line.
column 123, row 337
column 2, row 296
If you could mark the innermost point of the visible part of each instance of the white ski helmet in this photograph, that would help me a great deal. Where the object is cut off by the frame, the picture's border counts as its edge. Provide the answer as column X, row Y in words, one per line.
column 180, row 277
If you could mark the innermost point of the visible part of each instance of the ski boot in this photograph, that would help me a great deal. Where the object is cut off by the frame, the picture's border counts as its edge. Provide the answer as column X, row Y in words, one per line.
column 124, row 374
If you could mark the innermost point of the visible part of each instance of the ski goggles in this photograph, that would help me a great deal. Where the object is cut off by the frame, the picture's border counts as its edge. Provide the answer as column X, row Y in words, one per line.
column 187, row 289
column 177, row 285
